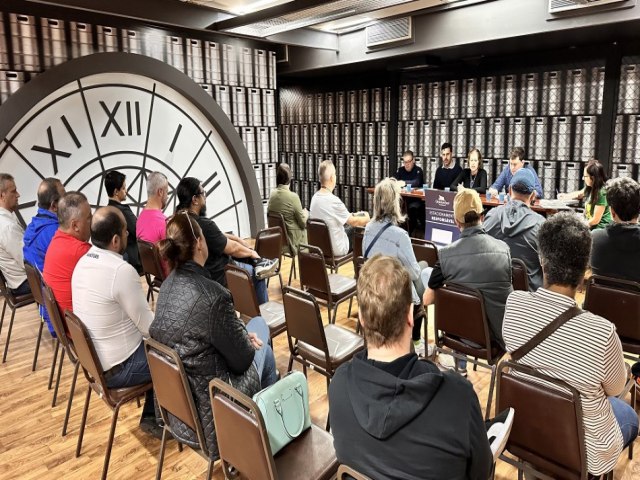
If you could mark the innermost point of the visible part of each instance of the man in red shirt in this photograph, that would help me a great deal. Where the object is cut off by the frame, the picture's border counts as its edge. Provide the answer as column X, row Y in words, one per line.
column 69, row 243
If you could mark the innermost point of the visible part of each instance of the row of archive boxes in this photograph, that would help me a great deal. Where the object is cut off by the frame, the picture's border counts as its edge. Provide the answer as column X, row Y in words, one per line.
column 629, row 95
column 202, row 60
column 366, row 105
column 10, row 82
column 625, row 170
column 349, row 138
column 261, row 143
column 350, row 169
column 626, row 145
column 245, row 106
column 572, row 92
column 266, row 177
column 563, row 138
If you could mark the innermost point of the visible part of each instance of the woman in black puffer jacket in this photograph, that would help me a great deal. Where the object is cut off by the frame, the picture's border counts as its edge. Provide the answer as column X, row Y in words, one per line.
column 195, row 317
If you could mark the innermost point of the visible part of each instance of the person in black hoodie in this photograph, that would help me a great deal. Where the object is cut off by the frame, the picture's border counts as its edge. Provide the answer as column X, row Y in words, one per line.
column 393, row 415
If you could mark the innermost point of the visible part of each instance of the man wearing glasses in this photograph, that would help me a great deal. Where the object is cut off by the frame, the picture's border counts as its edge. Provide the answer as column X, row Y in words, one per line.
column 414, row 176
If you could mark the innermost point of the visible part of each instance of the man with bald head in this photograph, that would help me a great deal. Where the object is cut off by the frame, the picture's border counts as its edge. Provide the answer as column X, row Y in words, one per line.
column 108, row 298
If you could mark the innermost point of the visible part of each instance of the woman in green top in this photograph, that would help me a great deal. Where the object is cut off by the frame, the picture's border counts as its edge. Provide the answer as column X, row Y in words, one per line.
column 596, row 209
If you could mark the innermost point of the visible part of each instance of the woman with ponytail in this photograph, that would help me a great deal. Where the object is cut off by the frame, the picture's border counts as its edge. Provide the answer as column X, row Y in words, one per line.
column 195, row 316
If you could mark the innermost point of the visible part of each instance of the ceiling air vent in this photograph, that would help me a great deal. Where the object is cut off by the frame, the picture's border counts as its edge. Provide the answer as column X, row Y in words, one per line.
column 388, row 33
column 557, row 6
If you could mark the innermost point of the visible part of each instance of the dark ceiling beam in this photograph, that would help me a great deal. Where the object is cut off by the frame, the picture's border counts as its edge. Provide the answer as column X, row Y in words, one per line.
column 266, row 13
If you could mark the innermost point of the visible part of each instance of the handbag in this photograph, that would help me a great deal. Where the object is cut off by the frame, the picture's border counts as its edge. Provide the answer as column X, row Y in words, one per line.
column 285, row 409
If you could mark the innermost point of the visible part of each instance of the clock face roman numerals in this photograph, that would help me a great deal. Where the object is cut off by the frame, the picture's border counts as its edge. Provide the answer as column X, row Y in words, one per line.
column 111, row 118
column 51, row 148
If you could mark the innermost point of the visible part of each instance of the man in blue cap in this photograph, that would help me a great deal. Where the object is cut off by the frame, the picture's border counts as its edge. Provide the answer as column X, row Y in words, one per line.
column 517, row 225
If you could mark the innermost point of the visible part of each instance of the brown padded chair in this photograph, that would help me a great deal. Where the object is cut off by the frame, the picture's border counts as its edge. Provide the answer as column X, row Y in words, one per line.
column 519, row 276
column 244, row 443
column 34, row 277
column 245, row 301
column 277, row 220
column 14, row 303
column 151, row 266
column 331, row 288
column 425, row 250
column 348, row 473
column 310, row 342
column 460, row 315
column 174, row 397
column 269, row 245
column 358, row 239
column 114, row 398
column 67, row 347
column 547, row 434
column 318, row 235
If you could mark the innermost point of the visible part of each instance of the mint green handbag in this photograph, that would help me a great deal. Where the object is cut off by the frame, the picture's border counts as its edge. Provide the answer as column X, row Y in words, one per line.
column 285, row 409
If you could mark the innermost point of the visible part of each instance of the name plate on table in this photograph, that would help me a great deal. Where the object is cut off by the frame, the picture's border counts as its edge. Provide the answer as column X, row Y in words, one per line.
column 440, row 226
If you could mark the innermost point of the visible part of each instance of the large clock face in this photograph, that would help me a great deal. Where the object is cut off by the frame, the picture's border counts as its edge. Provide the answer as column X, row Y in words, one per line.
column 136, row 124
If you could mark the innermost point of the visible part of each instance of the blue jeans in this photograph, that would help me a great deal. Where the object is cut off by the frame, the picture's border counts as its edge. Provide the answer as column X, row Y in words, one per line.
column 627, row 419
column 260, row 285
column 22, row 289
column 264, row 360
column 135, row 371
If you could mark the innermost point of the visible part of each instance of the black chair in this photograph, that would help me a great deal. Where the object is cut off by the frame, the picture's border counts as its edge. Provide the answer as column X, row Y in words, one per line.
column 277, row 220
column 269, row 245
column 519, row 275
column 34, row 277
column 151, row 266
column 318, row 235
column 14, row 303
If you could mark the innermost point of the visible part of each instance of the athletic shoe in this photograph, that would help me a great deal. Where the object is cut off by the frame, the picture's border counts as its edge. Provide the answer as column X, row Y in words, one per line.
column 418, row 346
column 498, row 432
column 150, row 426
column 431, row 350
column 264, row 267
column 446, row 360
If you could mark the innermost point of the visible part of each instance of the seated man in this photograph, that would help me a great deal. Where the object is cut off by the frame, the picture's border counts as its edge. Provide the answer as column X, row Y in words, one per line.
column 115, row 183
column 585, row 351
column 448, row 171
column 69, row 243
column 223, row 247
column 516, row 162
column 616, row 248
column 412, row 175
column 11, row 238
column 518, row 225
column 393, row 415
column 114, row 309
column 152, row 224
column 475, row 260
column 41, row 230
column 326, row 206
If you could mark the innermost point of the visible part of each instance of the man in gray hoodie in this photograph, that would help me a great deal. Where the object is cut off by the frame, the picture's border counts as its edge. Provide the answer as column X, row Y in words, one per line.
column 517, row 225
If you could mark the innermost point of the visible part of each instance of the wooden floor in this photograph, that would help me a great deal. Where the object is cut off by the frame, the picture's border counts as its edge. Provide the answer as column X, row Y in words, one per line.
column 31, row 445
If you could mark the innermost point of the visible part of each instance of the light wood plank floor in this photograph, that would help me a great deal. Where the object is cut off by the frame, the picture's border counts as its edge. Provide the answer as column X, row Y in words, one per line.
column 31, row 445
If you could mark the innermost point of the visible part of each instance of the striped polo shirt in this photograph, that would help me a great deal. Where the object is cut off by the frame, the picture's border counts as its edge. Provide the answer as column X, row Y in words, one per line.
column 585, row 352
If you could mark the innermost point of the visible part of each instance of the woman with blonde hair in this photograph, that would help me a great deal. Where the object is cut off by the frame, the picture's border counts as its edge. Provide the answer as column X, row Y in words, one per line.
column 383, row 235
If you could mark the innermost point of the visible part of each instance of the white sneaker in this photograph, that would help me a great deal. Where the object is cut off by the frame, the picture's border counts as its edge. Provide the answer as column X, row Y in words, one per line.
column 264, row 267
column 498, row 433
column 446, row 360
column 418, row 346
column 431, row 350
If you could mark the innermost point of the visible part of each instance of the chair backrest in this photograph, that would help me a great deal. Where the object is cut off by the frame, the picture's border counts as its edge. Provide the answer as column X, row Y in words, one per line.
column 55, row 317
column 358, row 239
column 313, row 274
column 269, row 244
column 425, row 250
column 358, row 263
column 547, row 429
column 150, row 259
column 171, row 386
column 348, row 473
column 277, row 220
column 242, row 290
column 34, row 277
column 318, row 236
column 616, row 300
column 460, row 312
column 86, row 354
column 4, row 288
column 304, row 322
column 519, row 276
column 242, row 437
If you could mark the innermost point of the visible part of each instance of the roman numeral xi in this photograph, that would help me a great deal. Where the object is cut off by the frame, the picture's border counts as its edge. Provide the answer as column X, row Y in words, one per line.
column 52, row 150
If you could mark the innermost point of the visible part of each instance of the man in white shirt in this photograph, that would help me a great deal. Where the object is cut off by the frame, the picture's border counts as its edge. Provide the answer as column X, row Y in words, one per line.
column 11, row 238
column 108, row 298
column 326, row 206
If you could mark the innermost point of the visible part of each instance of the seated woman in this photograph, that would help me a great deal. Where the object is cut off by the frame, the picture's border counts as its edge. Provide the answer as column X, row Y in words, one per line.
column 474, row 177
column 383, row 235
column 596, row 208
column 287, row 203
column 195, row 316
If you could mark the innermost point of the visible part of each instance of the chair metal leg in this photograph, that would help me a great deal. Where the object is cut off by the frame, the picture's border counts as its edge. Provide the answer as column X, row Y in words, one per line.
column 83, row 422
column 304, row 369
column 53, row 363
column 492, row 383
column 161, row 454
column 290, row 363
column 6, row 344
column 55, row 390
column 350, row 304
column 138, row 401
column 35, row 355
column 210, row 470
column 292, row 270
column 70, row 399
column 328, row 426
column 180, row 447
column 112, row 431
column 280, row 279
column 475, row 365
column 4, row 307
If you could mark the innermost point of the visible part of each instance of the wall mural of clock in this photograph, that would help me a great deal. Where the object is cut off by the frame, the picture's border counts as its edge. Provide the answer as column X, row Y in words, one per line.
column 134, row 114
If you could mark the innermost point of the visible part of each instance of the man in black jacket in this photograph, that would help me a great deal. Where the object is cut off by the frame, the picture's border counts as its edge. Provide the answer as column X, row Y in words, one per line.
column 393, row 415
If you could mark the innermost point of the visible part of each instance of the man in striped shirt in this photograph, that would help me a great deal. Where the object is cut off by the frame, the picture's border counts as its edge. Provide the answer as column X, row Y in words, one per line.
column 585, row 352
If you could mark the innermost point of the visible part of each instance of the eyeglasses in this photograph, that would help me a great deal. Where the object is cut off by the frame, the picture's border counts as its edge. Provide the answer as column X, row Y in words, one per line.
column 407, row 162
column 201, row 192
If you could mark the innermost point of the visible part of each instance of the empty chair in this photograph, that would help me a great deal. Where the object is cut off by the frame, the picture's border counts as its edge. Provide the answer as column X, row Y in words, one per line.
column 173, row 394
column 151, row 266
column 276, row 220
column 331, row 288
column 14, row 303
column 318, row 234
column 348, row 473
column 244, row 443
column 245, row 300
column 269, row 245
column 519, row 276
column 114, row 398
column 461, row 324
column 425, row 250
column 34, row 277
column 358, row 239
